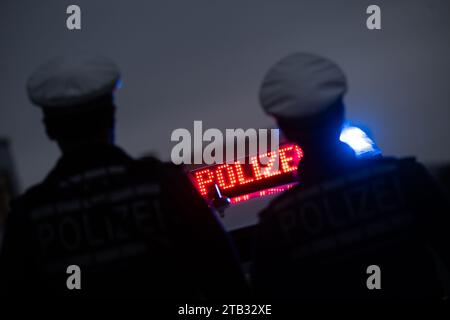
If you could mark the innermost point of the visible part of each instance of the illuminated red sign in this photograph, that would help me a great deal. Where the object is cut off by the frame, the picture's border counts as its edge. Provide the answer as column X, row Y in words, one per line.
column 262, row 193
column 242, row 180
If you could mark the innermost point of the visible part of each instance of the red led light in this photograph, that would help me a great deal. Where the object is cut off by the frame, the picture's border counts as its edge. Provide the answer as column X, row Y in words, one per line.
column 240, row 173
column 240, row 199
column 261, row 175
column 270, row 169
column 201, row 182
column 256, row 168
column 262, row 193
column 229, row 181
column 290, row 163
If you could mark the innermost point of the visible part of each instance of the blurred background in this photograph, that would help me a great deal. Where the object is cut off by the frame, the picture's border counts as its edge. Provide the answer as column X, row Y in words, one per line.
column 204, row 60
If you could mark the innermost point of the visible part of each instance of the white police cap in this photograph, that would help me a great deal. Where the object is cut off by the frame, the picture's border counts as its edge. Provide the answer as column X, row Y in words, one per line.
column 69, row 81
column 301, row 85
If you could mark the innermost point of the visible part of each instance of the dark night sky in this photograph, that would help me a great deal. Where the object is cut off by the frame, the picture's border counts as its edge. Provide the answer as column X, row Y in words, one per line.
column 203, row 60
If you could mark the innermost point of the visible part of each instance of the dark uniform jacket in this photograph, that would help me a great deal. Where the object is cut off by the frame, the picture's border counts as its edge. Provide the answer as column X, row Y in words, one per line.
column 135, row 228
column 320, row 239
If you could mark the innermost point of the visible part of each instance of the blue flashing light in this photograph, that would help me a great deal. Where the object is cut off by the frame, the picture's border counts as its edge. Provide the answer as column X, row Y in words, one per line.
column 359, row 141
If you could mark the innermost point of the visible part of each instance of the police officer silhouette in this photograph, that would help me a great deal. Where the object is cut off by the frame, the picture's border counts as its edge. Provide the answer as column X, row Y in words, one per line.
column 135, row 228
column 318, row 240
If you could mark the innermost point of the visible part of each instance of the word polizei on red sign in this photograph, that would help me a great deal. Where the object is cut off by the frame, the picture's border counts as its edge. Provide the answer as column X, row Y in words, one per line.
column 258, row 176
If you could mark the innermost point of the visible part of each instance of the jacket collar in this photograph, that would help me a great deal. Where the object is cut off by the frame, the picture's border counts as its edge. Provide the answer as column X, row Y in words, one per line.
column 87, row 157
